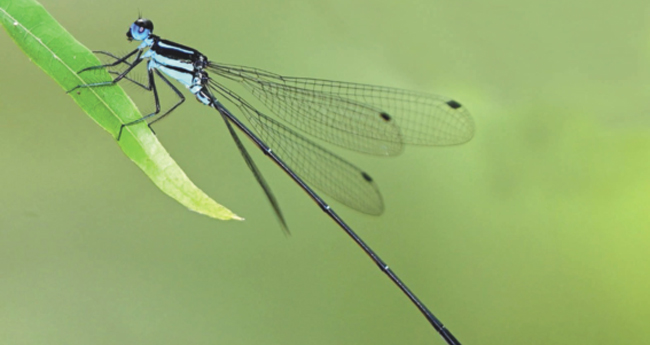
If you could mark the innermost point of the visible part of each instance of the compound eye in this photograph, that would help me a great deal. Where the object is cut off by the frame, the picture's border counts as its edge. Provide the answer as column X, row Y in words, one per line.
column 140, row 30
column 144, row 23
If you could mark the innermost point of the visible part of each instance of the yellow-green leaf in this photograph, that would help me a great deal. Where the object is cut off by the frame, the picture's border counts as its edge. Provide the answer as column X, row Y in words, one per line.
column 60, row 55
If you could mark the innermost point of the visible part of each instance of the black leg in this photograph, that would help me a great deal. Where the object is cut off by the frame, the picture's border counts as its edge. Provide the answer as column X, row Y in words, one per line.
column 137, row 61
column 109, row 54
column 118, row 60
column 152, row 87
column 132, row 81
column 181, row 98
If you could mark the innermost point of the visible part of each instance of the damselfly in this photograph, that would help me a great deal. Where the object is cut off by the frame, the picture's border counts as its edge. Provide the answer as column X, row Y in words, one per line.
column 365, row 118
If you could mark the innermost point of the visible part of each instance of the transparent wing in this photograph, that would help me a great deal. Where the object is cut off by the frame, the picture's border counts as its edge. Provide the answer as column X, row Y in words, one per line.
column 365, row 118
column 319, row 167
column 258, row 175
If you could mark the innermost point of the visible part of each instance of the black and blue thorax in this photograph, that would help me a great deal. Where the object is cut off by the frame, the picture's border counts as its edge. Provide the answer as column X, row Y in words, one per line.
column 179, row 62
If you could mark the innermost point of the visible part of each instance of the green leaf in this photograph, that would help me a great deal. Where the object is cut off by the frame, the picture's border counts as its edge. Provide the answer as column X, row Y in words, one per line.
column 53, row 49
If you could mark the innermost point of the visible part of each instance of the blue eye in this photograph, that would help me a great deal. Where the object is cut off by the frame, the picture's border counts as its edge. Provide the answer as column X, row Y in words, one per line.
column 140, row 30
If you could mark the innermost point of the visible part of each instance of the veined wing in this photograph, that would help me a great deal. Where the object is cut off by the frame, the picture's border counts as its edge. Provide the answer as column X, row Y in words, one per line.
column 319, row 167
column 365, row 118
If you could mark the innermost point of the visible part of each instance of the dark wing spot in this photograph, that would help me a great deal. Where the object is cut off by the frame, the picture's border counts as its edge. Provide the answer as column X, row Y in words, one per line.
column 366, row 177
column 453, row 104
column 385, row 116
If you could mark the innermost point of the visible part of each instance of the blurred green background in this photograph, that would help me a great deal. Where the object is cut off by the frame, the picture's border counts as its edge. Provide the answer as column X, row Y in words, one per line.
column 535, row 232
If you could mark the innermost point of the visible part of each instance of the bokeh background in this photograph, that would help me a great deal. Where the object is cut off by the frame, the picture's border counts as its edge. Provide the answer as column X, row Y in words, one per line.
column 535, row 232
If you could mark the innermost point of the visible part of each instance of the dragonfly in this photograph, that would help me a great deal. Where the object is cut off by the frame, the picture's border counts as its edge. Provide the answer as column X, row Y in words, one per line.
column 370, row 119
